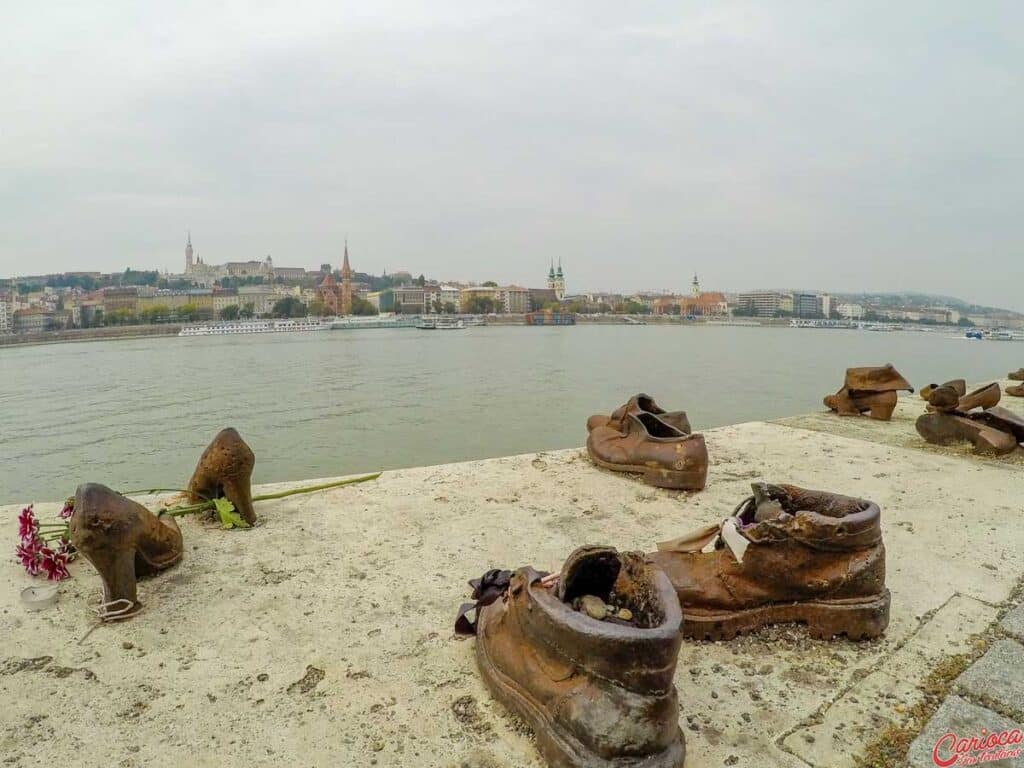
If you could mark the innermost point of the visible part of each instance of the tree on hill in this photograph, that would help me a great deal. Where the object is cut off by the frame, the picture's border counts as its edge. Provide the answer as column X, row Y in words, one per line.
column 289, row 306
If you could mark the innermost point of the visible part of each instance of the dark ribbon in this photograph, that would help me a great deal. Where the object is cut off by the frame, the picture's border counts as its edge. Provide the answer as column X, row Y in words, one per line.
column 486, row 590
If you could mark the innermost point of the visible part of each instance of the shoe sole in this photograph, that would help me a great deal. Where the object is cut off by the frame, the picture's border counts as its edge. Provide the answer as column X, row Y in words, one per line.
column 560, row 749
column 949, row 429
column 825, row 619
column 675, row 479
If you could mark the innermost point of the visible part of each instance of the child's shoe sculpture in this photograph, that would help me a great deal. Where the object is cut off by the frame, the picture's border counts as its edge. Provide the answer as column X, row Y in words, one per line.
column 123, row 540
column 786, row 555
column 597, row 692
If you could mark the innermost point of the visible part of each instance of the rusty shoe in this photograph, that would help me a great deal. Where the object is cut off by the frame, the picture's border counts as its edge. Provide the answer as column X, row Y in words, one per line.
column 664, row 456
column 983, row 397
column 878, row 405
column 225, row 470
column 786, row 555
column 636, row 404
column 958, row 385
column 123, row 540
column 597, row 692
column 1017, row 375
column 1015, row 390
column 876, row 378
column 989, row 435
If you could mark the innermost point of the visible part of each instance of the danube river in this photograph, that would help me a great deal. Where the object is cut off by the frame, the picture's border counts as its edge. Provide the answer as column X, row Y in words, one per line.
column 137, row 413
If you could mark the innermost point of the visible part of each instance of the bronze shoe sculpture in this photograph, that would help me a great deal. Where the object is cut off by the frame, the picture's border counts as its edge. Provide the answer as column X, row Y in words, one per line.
column 947, row 428
column 1002, row 419
column 786, row 555
column 960, row 385
column 636, row 404
column 1016, row 390
column 225, row 470
column 593, row 682
column 663, row 455
column 1017, row 375
column 878, row 405
column 123, row 540
column 868, row 389
column 982, row 397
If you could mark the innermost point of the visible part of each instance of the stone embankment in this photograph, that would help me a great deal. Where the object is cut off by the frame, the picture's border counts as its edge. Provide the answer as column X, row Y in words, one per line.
column 88, row 334
column 324, row 635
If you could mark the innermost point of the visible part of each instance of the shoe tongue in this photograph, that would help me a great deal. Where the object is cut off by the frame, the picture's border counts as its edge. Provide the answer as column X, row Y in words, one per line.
column 766, row 504
column 590, row 570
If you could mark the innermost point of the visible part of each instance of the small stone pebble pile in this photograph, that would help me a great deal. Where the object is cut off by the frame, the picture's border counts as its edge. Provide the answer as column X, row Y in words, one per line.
column 596, row 608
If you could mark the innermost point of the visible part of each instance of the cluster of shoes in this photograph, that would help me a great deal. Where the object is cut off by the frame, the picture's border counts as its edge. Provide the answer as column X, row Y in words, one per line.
column 124, row 541
column 587, row 657
column 955, row 415
column 871, row 390
column 643, row 438
column 1016, row 390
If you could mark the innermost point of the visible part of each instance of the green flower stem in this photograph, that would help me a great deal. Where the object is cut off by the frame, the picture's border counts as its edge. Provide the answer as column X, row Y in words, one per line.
column 312, row 488
column 148, row 491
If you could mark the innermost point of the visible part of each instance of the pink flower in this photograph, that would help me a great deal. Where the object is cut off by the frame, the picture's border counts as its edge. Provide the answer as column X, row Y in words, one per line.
column 55, row 563
column 28, row 526
column 30, row 554
column 68, row 510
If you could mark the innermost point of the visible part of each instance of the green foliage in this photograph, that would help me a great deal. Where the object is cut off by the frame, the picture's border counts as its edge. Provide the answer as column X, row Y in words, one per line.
column 137, row 277
column 248, row 310
column 317, row 308
column 631, row 307
column 361, row 306
column 480, row 305
column 230, row 312
column 229, row 518
column 489, row 284
column 155, row 314
column 289, row 306
column 449, row 308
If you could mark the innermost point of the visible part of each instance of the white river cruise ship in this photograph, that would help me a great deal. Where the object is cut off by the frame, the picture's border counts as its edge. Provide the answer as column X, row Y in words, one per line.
column 227, row 328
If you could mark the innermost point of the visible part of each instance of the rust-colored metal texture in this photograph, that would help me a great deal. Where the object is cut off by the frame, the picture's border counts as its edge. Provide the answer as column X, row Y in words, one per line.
column 1015, row 390
column 123, row 540
column 1017, row 375
column 983, row 397
column 595, row 693
column 225, row 470
column 646, row 445
column 869, row 389
column 959, row 385
column 815, row 558
column 640, row 403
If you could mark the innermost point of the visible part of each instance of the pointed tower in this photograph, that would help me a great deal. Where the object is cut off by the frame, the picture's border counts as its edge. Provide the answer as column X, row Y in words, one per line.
column 188, row 254
column 557, row 282
column 696, row 286
column 346, row 284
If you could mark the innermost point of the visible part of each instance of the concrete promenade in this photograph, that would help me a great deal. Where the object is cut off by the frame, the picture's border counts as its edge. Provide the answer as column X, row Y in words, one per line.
column 323, row 637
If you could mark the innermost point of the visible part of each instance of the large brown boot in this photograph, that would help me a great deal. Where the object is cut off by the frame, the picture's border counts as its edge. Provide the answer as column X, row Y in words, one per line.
column 225, row 470
column 636, row 404
column 666, row 457
column 123, row 540
column 597, row 692
column 982, row 397
column 787, row 555
column 1016, row 390
column 1017, row 375
column 871, row 378
column 1002, row 419
column 878, row 405
column 947, row 428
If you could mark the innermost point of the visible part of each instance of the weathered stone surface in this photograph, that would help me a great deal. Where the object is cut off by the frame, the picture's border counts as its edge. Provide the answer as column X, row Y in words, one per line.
column 1013, row 622
column 959, row 716
column 998, row 676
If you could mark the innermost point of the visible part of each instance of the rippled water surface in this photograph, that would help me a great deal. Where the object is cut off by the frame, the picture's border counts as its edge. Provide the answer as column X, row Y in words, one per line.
column 138, row 413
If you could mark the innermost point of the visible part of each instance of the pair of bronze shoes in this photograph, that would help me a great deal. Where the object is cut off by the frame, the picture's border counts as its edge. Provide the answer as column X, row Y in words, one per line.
column 1016, row 390
column 587, row 657
column 868, row 389
column 124, row 541
column 956, row 416
column 642, row 438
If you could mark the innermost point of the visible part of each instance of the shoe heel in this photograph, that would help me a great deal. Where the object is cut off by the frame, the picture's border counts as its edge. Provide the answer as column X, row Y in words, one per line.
column 858, row 621
column 682, row 480
column 882, row 412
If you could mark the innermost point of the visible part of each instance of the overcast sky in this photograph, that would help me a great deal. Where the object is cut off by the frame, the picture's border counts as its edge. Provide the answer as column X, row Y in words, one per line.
column 840, row 146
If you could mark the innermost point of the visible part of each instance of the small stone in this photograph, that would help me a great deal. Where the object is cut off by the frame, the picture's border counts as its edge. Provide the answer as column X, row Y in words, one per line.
column 624, row 614
column 594, row 607
column 127, row 645
column 263, row 677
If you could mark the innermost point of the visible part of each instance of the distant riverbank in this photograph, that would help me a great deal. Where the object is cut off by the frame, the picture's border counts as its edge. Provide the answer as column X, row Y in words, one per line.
column 89, row 334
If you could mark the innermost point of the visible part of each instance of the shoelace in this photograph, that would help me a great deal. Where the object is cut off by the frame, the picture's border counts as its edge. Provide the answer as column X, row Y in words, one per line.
column 107, row 612
column 488, row 588
column 711, row 537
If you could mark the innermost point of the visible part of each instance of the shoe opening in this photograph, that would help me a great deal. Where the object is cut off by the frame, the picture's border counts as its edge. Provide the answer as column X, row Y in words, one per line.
column 612, row 586
column 656, row 427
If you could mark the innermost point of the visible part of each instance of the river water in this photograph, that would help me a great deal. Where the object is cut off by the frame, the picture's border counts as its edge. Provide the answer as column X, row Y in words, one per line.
column 138, row 413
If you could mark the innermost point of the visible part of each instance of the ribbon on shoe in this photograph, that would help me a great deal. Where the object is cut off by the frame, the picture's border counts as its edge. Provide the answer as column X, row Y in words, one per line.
column 710, row 538
column 486, row 590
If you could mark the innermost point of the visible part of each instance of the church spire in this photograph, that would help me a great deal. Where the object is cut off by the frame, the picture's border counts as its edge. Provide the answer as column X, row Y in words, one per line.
column 346, row 270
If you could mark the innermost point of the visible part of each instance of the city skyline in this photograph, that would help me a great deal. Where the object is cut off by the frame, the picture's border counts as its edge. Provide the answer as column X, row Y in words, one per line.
column 759, row 144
